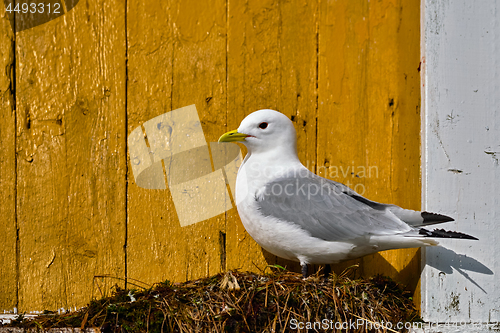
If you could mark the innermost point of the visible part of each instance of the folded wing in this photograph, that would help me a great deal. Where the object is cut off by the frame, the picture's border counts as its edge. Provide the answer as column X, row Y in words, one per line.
column 326, row 209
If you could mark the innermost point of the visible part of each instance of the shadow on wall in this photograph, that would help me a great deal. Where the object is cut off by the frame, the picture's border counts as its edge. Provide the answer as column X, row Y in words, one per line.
column 446, row 261
column 26, row 15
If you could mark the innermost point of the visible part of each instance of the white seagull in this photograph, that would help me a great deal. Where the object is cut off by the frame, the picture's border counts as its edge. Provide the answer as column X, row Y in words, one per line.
column 297, row 215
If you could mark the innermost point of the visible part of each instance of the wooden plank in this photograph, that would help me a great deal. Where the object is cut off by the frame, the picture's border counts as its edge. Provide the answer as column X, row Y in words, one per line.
column 272, row 64
column 252, row 84
column 341, row 102
column 369, row 111
column 154, row 234
column 461, row 170
column 199, row 77
column 50, row 330
column 298, row 74
column 405, row 180
column 8, row 265
column 190, row 50
column 394, row 78
column 71, row 156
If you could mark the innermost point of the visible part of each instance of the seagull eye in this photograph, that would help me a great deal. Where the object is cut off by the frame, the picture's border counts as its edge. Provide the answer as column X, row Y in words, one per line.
column 263, row 125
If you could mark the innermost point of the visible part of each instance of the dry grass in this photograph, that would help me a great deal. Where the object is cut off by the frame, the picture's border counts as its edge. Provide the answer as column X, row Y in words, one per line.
column 245, row 302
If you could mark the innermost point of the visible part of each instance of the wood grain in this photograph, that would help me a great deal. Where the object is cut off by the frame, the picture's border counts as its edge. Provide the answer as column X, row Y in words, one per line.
column 189, row 67
column 272, row 64
column 155, row 240
column 254, row 82
column 344, row 71
column 461, row 159
column 369, row 112
column 199, row 77
column 71, row 156
column 8, row 222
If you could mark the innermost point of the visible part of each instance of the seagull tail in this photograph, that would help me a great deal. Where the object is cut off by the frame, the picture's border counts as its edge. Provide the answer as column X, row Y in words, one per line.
column 411, row 217
column 416, row 218
column 441, row 233
column 433, row 218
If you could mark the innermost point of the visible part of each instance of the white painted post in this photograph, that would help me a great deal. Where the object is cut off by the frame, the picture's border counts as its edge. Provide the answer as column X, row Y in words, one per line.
column 460, row 161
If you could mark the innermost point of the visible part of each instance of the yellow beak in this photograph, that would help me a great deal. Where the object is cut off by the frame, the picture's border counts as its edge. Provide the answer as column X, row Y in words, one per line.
column 232, row 136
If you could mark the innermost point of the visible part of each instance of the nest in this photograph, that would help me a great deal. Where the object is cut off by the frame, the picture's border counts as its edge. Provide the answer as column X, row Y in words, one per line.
column 279, row 301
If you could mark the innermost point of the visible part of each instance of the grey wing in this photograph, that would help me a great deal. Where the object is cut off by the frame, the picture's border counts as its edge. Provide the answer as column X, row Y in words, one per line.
column 326, row 209
column 411, row 217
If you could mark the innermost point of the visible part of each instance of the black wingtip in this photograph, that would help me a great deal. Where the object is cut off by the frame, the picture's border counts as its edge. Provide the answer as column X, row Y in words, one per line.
column 441, row 233
column 431, row 218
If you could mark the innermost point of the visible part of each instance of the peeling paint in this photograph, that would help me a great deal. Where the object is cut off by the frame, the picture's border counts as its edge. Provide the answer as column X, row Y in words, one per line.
column 453, row 302
column 52, row 259
column 493, row 153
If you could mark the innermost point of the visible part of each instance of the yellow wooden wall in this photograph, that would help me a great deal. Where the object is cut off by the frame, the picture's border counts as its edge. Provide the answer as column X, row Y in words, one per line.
column 74, row 223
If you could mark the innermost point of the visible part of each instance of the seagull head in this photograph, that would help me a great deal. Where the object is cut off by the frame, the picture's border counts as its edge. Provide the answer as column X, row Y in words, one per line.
column 265, row 131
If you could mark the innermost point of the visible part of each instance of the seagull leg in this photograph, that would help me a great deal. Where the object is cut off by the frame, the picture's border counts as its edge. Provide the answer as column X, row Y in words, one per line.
column 304, row 270
column 327, row 271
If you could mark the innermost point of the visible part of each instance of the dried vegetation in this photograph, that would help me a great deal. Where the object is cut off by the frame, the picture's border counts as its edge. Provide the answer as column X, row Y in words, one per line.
column 245, row 302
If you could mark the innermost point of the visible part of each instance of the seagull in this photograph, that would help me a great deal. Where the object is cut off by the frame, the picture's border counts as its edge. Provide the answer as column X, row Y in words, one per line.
column 300, row 216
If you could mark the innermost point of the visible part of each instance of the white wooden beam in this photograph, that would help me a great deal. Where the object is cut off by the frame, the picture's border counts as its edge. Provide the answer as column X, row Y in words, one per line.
column 460, row 159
